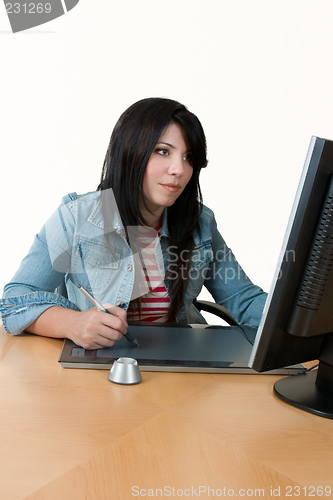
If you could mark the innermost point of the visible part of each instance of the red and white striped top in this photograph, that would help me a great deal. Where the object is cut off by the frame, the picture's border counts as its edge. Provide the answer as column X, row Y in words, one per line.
column 155, row 303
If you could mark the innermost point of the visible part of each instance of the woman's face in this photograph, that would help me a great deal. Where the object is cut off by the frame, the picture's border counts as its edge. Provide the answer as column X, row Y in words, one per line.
column 168, row 170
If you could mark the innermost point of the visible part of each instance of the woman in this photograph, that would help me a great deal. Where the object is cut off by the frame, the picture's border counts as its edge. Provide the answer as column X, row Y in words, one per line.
column 143, row 242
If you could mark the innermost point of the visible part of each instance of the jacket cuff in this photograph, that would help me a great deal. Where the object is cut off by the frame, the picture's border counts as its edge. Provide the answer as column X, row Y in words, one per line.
column 17, row 313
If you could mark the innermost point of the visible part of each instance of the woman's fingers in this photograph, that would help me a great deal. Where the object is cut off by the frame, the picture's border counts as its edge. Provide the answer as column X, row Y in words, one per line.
column 117, row 311
column 97, row 329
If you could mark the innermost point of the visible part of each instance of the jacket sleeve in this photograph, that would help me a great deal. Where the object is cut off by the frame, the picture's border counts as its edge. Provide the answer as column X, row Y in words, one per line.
column 230, row 286
column 33, row 288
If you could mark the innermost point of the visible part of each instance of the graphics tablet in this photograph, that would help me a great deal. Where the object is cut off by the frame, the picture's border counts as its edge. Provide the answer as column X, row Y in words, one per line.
column 196, row 348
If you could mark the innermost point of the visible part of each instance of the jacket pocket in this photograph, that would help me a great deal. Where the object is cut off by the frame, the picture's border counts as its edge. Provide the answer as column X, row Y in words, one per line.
column 95, row 262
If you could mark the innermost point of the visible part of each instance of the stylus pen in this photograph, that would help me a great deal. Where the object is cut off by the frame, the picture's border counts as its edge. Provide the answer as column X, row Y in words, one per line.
column 100, row 307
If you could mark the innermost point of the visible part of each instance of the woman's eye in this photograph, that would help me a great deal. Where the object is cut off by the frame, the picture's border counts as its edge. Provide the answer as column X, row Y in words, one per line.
column 162, row 151
column 188, row 158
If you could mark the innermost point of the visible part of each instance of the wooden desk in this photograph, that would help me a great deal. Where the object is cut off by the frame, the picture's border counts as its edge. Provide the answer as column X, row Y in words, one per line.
column 73, row 435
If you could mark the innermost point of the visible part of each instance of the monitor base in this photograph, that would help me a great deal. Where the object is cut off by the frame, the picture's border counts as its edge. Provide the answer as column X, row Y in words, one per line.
column 303, row 392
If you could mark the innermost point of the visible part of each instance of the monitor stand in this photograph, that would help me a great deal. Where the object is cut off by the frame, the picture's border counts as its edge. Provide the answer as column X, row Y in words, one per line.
column 311, row 391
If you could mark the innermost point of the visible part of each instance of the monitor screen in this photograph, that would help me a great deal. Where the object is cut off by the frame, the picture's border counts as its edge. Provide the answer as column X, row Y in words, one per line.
column 297, row 322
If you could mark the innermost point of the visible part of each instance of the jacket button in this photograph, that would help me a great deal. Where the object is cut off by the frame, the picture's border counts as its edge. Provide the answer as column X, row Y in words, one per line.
column 129, row 267
column 119, row 303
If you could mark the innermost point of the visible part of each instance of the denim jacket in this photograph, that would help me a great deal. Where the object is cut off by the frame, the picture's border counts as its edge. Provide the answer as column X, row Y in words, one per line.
column 71, row 249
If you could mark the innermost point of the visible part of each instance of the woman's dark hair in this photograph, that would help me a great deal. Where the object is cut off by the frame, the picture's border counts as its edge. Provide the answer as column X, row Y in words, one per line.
column 133, row 139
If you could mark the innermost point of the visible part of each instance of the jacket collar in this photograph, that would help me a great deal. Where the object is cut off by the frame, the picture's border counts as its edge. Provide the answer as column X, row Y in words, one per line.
column 105, row 199
column 164, row 229
column 115, row 224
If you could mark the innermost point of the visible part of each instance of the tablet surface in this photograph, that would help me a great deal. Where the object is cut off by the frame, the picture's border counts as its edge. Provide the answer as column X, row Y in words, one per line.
column 197, row 348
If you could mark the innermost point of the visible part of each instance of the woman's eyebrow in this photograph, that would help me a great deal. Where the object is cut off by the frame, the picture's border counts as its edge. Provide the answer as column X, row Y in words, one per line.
column 167, row 144
column 172, row 146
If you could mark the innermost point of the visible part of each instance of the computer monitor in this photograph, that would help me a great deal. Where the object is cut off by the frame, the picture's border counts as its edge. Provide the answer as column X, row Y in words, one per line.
column 297, row 322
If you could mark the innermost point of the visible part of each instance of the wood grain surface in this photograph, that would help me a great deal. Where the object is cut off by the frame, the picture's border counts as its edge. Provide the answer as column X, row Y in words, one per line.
column 70, row 434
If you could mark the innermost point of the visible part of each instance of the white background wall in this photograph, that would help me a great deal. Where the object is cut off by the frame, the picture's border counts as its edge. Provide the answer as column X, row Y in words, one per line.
column 258, row 74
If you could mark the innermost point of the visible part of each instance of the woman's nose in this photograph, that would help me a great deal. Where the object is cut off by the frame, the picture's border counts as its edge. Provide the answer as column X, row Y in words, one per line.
column 176, row 166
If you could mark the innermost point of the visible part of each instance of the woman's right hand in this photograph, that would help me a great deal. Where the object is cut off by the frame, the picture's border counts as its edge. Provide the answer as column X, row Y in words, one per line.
column 93, row 329
column 90, row 329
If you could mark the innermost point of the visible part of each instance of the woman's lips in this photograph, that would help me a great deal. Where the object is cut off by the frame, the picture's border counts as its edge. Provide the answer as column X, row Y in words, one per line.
column 172, row 188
